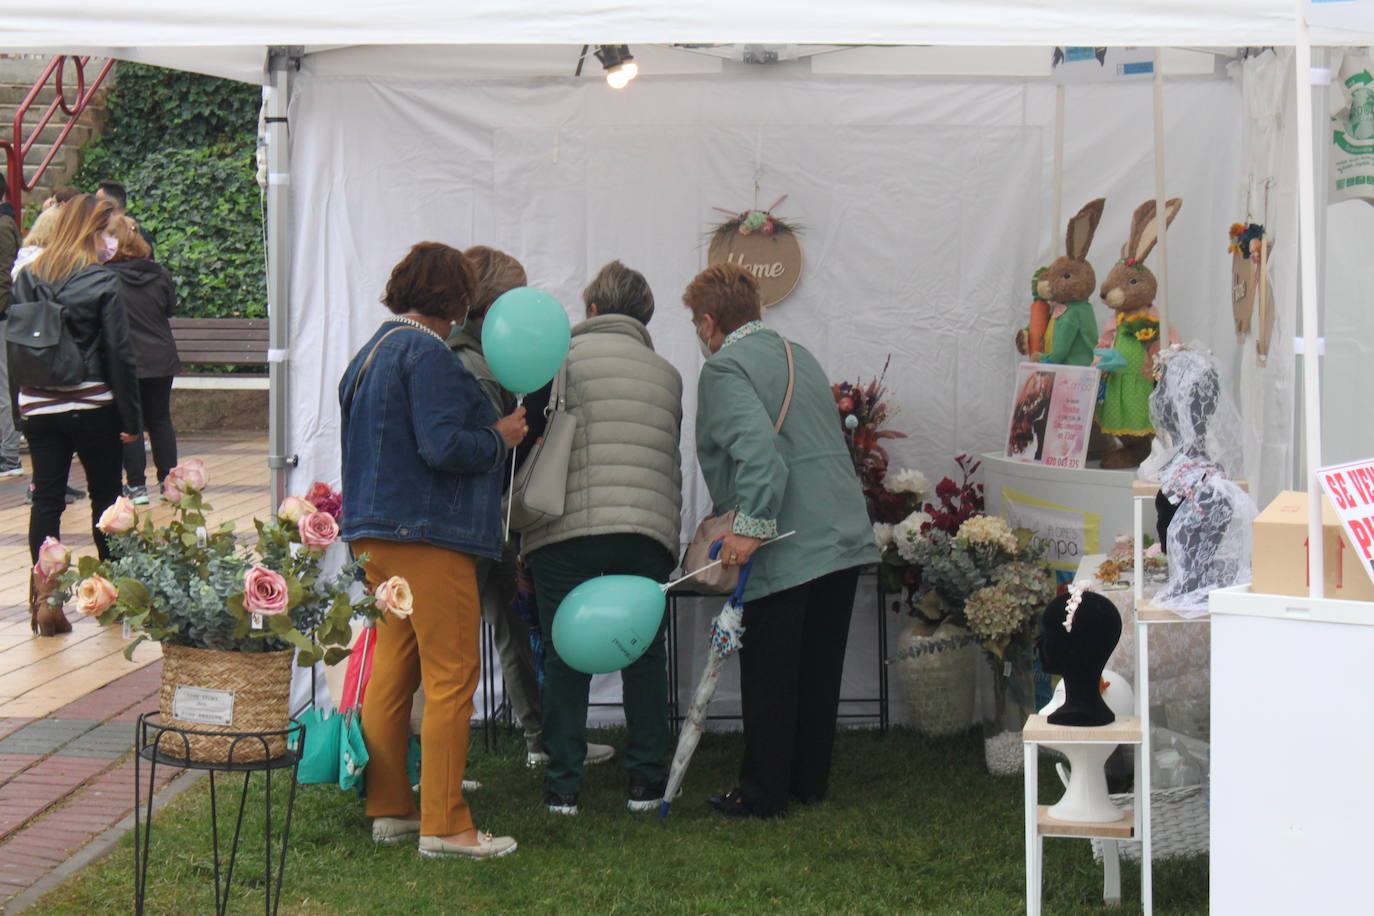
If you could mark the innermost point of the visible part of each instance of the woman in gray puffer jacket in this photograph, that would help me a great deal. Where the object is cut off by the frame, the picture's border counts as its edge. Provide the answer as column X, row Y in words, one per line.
column 622, row 516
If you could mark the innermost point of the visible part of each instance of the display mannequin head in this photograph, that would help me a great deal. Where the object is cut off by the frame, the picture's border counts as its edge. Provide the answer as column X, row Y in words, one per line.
column 1078, row 652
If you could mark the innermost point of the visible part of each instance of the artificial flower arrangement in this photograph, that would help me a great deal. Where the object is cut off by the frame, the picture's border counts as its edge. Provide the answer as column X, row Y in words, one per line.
column 1121, row 558
column 1243, row 237
column 185, row 585
column 747, row 222
column 1142, row 327
column 864, row 411
column 958, row 564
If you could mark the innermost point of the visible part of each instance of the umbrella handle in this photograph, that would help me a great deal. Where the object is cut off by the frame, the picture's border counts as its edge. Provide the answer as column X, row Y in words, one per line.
column 714, row 554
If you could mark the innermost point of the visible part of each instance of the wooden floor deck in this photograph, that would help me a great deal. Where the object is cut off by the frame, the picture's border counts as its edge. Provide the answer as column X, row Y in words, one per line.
column 39, row 675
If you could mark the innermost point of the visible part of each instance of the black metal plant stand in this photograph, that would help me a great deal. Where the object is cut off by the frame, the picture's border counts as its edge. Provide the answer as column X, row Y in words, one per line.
column 157, row 744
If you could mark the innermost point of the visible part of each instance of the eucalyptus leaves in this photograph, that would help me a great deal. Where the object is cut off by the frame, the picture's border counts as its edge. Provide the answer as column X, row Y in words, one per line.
column 189, row 585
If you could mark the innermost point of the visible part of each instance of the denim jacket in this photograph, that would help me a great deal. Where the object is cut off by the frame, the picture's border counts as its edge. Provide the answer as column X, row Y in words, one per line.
column 421, row 461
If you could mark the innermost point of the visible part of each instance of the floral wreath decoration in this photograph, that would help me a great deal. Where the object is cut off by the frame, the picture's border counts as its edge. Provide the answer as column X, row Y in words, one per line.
column 1243, row 237
column 747, row 222
column 1076, row 591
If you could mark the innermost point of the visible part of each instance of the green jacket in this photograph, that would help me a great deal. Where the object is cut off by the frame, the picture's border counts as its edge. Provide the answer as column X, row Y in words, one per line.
column 468, row 348
column 10, row 241
column 1073, row 335
column 800, row 478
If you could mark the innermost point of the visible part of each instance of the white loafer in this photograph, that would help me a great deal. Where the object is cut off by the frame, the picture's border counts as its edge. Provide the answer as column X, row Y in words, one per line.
column 394, row 829
column 596, row 753
column 488, row 847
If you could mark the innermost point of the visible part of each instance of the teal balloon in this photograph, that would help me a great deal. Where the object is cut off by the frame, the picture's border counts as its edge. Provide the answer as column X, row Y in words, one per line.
column 525, row 339
column 606, row 623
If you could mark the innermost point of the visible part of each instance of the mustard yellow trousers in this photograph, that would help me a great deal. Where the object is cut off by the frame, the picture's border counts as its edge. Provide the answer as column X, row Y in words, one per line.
column 437, row 647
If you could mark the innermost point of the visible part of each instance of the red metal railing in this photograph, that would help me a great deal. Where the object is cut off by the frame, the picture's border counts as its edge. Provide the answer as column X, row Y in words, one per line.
column 18, row 145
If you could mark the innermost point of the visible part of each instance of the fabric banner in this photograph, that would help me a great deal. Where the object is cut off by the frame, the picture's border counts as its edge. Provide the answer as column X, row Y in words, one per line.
column 1067, row 534
column 1352, row 130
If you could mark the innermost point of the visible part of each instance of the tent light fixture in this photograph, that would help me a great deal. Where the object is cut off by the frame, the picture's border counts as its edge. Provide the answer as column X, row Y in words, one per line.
column 619, row 64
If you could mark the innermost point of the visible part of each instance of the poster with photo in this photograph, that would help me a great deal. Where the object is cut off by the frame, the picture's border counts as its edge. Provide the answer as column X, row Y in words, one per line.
column 1051, row 414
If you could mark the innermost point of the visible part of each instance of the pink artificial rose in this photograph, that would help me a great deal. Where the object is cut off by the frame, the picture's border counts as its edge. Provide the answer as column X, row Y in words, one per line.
column 264, row 591
column 394, row 596
column 318, row 529
column 1153, row 551
column 293, row 509
column 53, row 559
column 188, row 477
column 120, row 518
column 767, row 228
column 95, row 595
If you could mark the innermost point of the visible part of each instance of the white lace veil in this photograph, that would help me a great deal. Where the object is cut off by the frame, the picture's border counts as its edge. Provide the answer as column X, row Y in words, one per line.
column 1210, row 535
column 1194, row 416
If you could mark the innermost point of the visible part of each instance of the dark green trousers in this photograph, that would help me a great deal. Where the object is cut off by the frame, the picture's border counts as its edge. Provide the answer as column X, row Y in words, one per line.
column 558, row 569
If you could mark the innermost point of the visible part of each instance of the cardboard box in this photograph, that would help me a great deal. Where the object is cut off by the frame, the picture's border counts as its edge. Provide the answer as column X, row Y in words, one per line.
column 1279, row 564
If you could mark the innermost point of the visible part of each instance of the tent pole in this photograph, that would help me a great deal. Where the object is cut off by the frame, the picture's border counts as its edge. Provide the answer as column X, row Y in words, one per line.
column 1311, row 360
column 1161, row 213
column 281, row 62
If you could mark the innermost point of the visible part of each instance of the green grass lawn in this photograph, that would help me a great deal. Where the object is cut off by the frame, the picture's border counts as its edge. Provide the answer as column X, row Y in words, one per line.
column 913, row 825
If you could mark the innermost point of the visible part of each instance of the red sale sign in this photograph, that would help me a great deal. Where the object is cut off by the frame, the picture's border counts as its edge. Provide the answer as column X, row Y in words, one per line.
column 1350, row 487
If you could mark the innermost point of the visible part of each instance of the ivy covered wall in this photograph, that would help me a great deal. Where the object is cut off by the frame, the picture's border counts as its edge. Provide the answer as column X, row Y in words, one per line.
column 183, row 145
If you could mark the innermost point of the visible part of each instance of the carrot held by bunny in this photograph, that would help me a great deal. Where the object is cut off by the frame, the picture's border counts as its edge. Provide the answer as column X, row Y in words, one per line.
column 1068, row 283
column 1126, row 349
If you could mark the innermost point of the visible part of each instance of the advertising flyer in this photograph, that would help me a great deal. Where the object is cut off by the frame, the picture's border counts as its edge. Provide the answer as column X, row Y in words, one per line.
column 1051, row 414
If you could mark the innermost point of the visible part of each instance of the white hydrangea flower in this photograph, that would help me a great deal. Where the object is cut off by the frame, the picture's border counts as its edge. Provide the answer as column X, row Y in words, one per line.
column 882, row 536
column 907, row 532
column 908, row 480
column 988, row 529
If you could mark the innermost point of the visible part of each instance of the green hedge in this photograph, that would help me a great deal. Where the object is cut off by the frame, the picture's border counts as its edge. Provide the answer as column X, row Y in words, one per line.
column 183, row 145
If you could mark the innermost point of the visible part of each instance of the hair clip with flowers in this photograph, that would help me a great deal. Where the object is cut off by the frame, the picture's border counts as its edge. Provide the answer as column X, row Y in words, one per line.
column 1076, row 591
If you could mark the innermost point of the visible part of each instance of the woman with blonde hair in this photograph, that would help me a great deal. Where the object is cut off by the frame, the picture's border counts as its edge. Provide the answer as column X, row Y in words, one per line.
column 40, row 234
column 90, row 419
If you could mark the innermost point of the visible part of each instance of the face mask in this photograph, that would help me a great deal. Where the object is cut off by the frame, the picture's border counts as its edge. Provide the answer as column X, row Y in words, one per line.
column 107, row 248
column 705, row 349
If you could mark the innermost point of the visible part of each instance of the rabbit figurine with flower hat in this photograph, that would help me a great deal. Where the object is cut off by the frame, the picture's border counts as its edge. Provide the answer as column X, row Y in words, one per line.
column 1067, row 285
column 1125, row 352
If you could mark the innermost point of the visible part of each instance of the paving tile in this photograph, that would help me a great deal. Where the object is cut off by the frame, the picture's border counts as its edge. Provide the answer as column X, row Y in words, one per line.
column 109, row 740
column 45, row 735
column 10, row 764
column 12, row 723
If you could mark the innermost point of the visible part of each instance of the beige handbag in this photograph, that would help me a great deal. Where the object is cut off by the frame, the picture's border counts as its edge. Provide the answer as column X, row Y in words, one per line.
column 540, row 491
column 721, row 580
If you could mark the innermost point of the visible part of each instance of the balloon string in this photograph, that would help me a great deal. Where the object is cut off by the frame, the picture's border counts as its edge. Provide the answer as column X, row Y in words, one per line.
column 697, row 572
column 510, row 490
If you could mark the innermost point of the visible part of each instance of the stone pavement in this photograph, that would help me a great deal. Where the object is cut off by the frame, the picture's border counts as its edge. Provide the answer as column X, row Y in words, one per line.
column 68, row 703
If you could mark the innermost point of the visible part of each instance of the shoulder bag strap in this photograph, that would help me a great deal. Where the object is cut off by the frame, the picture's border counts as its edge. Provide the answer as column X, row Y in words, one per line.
column 367, row 362
column 791, row 384
column 558, row 394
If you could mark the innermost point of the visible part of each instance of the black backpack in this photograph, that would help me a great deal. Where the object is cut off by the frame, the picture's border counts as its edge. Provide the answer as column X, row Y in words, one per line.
column 42, row 353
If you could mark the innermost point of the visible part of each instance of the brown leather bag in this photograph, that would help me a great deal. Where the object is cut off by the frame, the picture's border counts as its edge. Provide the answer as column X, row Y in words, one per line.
column 722, row 580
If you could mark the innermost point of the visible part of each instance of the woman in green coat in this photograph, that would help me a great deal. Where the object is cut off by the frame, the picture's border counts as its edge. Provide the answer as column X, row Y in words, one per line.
column 800, row 593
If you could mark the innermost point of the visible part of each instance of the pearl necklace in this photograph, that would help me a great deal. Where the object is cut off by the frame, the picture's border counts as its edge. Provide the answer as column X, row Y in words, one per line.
column 415, row 324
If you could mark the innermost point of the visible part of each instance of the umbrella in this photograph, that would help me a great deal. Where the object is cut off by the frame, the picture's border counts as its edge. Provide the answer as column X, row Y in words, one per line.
column 727, row 629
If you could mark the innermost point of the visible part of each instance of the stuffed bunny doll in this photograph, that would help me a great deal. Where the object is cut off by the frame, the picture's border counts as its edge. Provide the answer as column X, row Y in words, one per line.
column 1069, row 283
column 1126, row 350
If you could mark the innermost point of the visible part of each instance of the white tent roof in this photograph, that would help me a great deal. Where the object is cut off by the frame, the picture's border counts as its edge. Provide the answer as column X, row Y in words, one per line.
column 228, row 38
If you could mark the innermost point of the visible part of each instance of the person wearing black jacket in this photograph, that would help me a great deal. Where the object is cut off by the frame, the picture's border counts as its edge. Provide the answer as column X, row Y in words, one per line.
column 150, row 300
column 88, row 420
column 9, row 248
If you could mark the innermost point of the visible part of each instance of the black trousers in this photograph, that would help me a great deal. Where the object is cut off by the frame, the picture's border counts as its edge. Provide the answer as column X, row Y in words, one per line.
column 54, row 439
column 156, row 395
column 790, row 669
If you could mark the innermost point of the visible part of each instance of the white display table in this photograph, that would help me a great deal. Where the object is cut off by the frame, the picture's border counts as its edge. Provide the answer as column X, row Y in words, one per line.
column 1077, row 512
column 1292, row 739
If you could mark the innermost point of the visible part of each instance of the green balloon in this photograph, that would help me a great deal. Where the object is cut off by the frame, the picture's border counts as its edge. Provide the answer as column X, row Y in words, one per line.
column 525, row 338
column 606, row 623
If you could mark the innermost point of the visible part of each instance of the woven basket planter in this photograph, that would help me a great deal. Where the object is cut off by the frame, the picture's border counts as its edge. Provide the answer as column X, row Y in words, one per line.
column 224, row 693
column 936, row 670
column 1179, row 825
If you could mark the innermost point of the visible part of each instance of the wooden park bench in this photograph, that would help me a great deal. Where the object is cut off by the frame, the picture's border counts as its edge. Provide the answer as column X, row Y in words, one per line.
column 221, row 341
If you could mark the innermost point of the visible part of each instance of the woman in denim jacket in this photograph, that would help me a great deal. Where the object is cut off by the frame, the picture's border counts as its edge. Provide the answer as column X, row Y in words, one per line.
column 423, row 457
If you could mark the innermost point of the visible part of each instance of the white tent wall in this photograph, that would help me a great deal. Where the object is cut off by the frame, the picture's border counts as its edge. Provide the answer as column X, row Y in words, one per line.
column 927, row 206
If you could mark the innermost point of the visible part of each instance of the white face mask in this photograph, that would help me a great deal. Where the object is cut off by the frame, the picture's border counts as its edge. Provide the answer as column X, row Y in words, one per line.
column 107, row 248
column 705, row 348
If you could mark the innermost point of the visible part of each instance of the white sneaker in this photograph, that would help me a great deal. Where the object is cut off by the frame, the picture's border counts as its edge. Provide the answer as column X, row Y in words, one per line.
column 596, row 753
column 488, row 847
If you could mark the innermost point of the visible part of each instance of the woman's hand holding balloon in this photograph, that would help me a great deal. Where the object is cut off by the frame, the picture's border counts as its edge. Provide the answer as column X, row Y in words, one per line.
column 512, row 428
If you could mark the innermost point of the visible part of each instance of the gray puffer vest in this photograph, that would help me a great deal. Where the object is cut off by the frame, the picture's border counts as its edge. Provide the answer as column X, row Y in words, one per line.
column 625, row 473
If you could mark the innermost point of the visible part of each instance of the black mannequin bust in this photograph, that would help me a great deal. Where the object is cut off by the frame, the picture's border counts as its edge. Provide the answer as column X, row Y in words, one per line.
column 1075, row 643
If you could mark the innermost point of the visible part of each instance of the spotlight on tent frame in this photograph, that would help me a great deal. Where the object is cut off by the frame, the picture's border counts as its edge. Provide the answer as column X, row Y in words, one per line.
column 619, row 64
